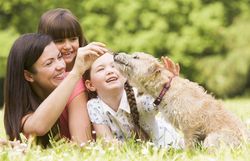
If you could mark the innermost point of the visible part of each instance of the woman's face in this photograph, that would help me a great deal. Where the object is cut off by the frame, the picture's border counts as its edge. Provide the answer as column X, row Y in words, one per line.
column 104, row 77
column 49, row 70
column 68, row 47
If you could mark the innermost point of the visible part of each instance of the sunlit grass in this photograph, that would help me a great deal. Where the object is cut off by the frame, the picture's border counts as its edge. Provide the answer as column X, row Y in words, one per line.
column 130, row 150
column 240, row 107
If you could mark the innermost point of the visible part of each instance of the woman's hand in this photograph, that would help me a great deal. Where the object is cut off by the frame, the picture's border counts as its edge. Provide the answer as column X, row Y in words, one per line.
column 87, row 55
column 171, row 66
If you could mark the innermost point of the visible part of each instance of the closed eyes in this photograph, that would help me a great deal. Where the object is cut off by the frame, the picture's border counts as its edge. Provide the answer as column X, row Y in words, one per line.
column 100, row 69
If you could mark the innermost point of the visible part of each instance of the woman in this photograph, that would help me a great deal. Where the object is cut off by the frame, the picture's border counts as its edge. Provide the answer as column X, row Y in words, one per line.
column 37, row 91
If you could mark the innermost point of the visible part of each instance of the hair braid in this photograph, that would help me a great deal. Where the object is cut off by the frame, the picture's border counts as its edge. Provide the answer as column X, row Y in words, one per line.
column 139, row 132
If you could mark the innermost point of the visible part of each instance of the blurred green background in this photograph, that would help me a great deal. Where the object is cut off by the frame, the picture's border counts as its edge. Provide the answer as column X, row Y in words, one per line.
column 210, row 39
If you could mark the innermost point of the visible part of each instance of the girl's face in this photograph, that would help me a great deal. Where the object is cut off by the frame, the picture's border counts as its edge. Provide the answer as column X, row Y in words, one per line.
column 49, row 71
column 68, row 47
column 104, row 77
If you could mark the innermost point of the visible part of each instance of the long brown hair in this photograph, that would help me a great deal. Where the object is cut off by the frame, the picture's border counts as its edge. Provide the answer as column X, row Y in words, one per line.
column 139, row 132
column 60, row 23
column 19, row 98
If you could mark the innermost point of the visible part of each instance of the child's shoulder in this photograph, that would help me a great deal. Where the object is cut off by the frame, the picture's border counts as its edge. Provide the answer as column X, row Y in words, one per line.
column 93, row 101
column 95, row 104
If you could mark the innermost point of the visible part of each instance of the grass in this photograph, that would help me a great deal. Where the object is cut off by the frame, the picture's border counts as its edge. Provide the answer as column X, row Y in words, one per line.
column 130, row 150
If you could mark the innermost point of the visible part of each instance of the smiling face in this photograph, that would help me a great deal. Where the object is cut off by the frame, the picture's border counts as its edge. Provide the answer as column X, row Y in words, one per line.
column 104, row 77
column 68, row 47
column 66, row 32
column 48, row 71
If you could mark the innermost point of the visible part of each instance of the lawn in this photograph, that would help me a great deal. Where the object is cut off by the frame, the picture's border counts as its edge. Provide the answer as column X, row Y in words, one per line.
column 130, row 150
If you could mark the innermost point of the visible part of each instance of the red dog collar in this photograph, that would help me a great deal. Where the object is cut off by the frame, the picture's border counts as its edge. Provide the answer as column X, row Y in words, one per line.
column 163, row 91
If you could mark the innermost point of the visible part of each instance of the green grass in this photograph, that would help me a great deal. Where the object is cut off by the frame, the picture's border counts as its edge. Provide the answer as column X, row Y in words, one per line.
column 240, row 107
column 130, row 150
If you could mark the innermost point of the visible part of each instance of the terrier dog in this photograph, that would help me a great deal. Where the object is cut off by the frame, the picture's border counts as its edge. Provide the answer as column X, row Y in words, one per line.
column 187, row 106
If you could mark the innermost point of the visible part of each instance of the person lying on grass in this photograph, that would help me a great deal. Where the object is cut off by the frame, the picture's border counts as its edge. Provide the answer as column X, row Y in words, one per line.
column 117, row 112
column 37, row 90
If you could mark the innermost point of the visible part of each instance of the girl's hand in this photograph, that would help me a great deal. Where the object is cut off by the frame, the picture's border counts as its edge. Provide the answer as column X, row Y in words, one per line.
column 87, row 55
column 171, row 66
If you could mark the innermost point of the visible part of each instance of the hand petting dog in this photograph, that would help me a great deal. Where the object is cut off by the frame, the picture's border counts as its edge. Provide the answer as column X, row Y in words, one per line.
column 171, row 66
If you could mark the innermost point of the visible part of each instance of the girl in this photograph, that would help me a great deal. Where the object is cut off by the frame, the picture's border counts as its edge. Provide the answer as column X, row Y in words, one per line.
column 66, row 32
column 37, row 91
column 113, row 110
column 68, row 36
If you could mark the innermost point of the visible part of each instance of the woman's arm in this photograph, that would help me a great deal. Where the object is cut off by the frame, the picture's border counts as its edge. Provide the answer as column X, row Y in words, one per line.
column 79, row 122
column 41, row 121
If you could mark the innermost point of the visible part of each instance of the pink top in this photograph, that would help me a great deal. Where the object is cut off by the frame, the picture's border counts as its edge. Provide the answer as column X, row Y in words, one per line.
column 64, row 120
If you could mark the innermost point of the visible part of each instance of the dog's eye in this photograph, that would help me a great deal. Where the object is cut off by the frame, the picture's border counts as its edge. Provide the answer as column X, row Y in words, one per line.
column 136, row 57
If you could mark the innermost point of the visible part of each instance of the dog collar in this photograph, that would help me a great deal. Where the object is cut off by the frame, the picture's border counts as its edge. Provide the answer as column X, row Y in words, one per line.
column 163, row 91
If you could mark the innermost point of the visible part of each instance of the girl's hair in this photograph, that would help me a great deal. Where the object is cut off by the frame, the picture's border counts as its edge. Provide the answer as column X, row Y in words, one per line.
column 90, row 94
column 19, row 98
column 60, row 24
column 139, row 132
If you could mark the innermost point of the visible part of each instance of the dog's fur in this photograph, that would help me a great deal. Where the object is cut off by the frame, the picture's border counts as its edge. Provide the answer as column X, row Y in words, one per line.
column 186, row 105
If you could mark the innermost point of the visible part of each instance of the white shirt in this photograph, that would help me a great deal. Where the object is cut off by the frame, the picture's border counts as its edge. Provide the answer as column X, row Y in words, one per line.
column 121, row 124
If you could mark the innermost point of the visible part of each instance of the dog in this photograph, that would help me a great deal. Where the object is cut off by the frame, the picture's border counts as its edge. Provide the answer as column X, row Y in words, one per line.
column 185, row 104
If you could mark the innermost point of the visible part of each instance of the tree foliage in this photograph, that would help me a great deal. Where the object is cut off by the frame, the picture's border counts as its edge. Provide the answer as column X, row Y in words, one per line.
column 202, row 35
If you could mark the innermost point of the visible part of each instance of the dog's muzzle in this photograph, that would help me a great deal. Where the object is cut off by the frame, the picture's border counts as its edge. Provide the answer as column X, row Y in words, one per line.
column 118, row 59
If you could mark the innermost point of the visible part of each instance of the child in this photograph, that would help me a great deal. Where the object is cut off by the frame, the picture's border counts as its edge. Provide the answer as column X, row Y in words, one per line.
column 115, row 111
column 68, row 36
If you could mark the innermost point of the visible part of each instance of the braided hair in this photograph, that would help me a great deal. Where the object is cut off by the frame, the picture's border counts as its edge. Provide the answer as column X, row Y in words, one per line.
column 139, row 132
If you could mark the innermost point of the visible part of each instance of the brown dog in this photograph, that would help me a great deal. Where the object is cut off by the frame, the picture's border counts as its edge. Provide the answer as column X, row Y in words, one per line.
column 185, row 104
